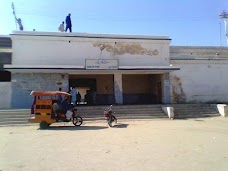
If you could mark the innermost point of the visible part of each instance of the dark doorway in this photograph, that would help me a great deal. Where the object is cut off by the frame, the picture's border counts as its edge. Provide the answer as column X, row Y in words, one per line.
column 142, row 89
column 91, row 83
column 87, row 88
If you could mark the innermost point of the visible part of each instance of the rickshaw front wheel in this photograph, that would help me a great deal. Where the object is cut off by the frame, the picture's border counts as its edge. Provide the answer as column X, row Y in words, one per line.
column 44, row 125
column 77, row 121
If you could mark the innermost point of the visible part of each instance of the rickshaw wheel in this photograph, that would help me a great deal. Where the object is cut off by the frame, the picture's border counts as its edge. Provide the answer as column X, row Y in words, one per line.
column 44, row 125
column 77, row 121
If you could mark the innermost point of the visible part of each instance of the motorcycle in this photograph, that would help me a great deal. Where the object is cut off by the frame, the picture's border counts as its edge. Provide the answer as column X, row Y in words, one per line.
column 74, row 118
column 109, row 116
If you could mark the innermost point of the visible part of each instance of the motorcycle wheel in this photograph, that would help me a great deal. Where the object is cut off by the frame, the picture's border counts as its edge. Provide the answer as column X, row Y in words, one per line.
column 77, row 121
column 110, row 121
column 114, row 119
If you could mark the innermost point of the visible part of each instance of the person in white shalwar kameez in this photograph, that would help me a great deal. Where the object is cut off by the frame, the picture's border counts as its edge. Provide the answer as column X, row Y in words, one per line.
column 73, row 93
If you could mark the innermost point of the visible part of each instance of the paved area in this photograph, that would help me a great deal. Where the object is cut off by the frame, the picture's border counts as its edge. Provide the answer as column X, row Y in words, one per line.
column 197, row 144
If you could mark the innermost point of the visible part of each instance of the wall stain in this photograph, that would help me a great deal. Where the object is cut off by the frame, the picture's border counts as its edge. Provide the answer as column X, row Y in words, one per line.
column 122, row 48
column 178, row 93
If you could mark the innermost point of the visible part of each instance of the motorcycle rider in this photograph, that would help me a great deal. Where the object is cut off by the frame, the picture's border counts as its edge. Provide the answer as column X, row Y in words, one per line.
column 65, row 106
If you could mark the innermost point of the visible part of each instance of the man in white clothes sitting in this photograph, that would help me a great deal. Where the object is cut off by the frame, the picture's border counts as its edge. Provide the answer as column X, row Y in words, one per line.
column 61, row 27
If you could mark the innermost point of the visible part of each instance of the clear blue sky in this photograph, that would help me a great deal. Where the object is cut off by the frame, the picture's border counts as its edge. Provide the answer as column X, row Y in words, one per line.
column 187, row 22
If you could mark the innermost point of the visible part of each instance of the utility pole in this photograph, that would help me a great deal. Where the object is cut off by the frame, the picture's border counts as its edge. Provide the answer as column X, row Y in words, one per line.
column 224, row 17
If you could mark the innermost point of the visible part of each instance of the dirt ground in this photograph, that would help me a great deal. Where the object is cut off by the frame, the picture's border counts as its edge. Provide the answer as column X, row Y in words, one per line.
column 196, row 144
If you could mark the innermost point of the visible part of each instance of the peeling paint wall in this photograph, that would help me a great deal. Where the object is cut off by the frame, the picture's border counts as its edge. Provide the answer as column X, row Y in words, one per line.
column 202, row 77
column 23, row 84
column 200, row 83
column 121, row 48
column 50, row 50
column 178, row 95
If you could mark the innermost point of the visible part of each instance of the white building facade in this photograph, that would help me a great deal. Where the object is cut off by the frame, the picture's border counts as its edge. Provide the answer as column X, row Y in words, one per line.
column 116, row 69
column 203, row 74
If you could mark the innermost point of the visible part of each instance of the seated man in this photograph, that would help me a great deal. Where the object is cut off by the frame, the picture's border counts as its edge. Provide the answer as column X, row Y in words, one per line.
column 65, row 106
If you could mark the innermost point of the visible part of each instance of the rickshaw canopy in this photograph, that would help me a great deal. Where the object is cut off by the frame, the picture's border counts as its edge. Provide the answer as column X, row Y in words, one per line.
column 48, row 93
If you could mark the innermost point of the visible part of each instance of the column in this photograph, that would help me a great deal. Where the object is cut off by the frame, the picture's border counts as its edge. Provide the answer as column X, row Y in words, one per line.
column 166, row 93
column 118, row 88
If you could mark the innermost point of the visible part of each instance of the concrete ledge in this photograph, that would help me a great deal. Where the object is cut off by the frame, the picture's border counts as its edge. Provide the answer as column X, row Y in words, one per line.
column 222, row 109
column 168, row 111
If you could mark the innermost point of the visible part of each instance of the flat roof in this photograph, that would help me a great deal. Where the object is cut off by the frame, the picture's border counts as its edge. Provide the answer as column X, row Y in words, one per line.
column 88, row 35
column 82, row 70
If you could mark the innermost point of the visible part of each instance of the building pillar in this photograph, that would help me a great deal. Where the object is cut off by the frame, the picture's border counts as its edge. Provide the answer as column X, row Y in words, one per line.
column 166, row 89
column 118, row 88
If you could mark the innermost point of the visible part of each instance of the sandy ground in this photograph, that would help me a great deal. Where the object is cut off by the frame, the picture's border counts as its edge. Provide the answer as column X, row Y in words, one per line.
column 197, row 144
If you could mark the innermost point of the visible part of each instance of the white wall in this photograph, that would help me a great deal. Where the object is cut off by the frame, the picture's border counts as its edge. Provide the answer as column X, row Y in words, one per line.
column 56, row 50
column 5, row 94
column 202, row 77
column 200, row 82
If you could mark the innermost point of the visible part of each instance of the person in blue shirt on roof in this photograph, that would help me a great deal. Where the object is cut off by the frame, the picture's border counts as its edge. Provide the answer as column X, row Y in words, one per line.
column 68, row 23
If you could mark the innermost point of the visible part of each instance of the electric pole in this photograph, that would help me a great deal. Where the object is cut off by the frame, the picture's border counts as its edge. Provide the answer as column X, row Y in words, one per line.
column 224, row 17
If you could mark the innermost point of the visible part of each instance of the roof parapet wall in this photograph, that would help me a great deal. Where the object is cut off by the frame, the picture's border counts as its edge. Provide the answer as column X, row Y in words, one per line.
column 198, row 52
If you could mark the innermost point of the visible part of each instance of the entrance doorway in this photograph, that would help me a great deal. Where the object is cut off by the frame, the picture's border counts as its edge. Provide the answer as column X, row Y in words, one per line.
column 86, row 88
column 142, row 89
column 94, row 89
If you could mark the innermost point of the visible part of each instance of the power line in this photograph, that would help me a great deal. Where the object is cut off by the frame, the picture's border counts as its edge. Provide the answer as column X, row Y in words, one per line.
column 120, row 18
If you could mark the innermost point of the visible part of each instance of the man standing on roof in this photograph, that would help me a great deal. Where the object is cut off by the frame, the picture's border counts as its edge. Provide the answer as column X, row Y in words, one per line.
column 68, row 23
column 18, row 20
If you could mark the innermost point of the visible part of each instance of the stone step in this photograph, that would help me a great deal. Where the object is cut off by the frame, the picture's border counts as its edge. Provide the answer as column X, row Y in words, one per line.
column 119, row 106
column 124, row 118
column 15, row 115
column 13, row 122
column 119, row 109
column 16, row 119
column 196, row 116
column 193, row 112
column 148, row 108
column 121, row 113
column 197, row 109
column 187, row 104
column 20, row 117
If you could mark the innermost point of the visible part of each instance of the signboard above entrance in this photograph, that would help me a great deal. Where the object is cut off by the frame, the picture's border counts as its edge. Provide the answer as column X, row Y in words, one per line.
column 101, row 64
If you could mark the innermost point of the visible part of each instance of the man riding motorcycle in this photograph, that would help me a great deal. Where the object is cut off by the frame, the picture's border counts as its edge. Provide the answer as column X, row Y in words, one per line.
column 63, row 107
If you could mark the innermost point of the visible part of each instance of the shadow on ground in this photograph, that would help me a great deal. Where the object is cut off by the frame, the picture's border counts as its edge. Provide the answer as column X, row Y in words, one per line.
column 120, row 126
column 199, row 120
column 73, row 128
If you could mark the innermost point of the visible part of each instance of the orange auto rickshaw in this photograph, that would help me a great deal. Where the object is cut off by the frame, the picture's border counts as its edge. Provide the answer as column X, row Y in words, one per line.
column 46, row 109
